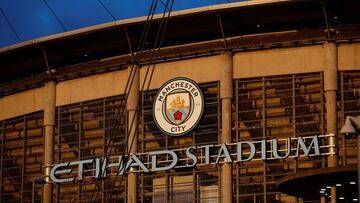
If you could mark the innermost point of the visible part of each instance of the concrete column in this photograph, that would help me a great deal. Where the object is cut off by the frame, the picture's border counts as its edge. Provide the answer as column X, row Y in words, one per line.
column 49, row 124
column 226, row 94
column 132, row 112
column 358, row 164
column 331, row 87
column 322, row 199
column 333, row 195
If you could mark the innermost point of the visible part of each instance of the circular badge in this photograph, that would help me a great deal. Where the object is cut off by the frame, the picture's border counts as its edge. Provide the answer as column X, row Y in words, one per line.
column 178, row 106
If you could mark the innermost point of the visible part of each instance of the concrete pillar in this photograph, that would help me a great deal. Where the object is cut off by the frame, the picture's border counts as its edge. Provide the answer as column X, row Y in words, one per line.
column 49, row 125
column 322, row 199
column 333, row 195
column 331, row 87
column 226, row 94
column 358, row 165
column 132, row 112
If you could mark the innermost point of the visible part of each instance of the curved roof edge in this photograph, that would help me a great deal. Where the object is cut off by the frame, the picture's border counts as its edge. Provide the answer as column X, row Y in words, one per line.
column 136, row 20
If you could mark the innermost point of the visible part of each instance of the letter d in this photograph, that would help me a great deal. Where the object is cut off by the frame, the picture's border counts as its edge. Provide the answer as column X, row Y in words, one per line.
column 239, row 151
column 154, row 154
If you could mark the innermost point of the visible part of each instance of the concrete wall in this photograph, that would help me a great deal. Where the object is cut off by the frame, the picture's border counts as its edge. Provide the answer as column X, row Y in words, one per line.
column 278, row 61
column 201, row 70
column 22, row 103
column 204, row 69
column 91, row 87
column 349, row 56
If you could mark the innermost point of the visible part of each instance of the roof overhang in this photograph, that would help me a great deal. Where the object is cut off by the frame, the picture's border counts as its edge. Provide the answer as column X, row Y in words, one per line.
column 187, row 26
column 308, row 184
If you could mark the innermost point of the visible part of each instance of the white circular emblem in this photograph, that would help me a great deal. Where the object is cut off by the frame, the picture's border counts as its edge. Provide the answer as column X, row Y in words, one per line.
column 178, row 106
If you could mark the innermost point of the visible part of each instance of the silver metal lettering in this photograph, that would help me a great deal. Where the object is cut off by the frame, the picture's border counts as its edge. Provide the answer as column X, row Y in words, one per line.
column 54, row 172
column 239, row 151
column 131, row 163
column 100, row 171
column 223, row 150
column 301, row 144
column 275, row 149
column 263, row 149
column 81, row 167
column 154, row 166
column 191, row 156
column 207, row 153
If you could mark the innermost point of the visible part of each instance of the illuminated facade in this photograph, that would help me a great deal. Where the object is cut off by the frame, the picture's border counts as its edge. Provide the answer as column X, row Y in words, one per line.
column 274, row 84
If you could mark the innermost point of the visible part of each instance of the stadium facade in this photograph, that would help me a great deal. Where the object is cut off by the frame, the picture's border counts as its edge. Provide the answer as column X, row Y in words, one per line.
column 241, row 102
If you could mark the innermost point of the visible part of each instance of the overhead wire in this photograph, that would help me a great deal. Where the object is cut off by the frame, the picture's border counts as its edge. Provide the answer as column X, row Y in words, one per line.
column 107, row 10
column 10, row 25
column 123, row 103
column 160, row 33
column 53, row 12
column 131, row 76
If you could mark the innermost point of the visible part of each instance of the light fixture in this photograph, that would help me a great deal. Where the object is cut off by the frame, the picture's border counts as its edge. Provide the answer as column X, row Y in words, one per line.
column 39, row 180
column 352, row 183
column 322, row 192
column 36, row 181
column 341, row 197
column 349, row 126
column 338, row 185
column 351, row 129
column 323, row 189
column 355, row 200
column 328, row 187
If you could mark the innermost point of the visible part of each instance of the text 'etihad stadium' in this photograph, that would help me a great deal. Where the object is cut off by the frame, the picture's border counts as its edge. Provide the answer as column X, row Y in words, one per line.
column 188, row 157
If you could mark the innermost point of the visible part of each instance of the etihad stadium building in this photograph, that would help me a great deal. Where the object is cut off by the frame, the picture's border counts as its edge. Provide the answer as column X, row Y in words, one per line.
column 231, row 103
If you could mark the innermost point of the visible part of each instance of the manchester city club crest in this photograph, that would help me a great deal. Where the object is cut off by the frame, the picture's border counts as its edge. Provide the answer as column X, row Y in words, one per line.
column 178, row 106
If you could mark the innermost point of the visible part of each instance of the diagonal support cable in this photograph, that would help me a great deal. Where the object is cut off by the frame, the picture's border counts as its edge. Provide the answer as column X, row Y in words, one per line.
column 10, row 25
column 326, row 19
column 53, row 12
column 132, row 73
column 161, row 33
column 107, row 10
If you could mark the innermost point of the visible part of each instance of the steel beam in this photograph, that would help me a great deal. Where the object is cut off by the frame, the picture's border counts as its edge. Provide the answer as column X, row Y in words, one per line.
column 58, row 155
column 23, row 167
column 264, row 132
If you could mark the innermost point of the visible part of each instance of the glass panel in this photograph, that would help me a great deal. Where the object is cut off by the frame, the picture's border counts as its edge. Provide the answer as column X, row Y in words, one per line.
column 89, row 130
column 275, row 107
column 22, row 158
column 349, row 106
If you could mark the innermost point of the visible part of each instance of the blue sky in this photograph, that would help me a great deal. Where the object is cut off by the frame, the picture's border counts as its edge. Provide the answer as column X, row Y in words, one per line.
column 23, row 20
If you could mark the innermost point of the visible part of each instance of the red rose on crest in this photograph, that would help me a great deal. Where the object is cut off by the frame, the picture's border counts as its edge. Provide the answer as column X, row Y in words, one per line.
column 177, row 115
